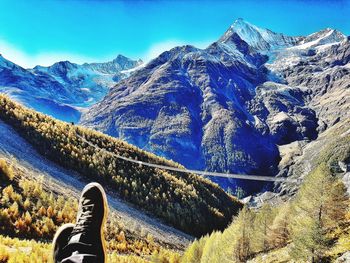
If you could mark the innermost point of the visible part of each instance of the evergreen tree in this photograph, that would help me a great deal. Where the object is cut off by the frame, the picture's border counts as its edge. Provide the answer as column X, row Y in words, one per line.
column 212, row 249
column 236, row 240
column 279, row 234
column 262, row 227
column 320, row 205
column 194, row 252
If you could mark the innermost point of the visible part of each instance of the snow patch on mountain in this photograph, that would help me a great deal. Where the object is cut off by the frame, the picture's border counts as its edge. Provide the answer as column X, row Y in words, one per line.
column 63, row 89
column 307, row 47
column 262, row 40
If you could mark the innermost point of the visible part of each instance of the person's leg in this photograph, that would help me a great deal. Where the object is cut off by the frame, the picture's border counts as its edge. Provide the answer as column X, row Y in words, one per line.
column 85, row 242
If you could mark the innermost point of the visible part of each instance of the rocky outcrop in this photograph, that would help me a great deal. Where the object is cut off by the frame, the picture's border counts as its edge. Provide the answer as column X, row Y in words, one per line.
column 343, row 258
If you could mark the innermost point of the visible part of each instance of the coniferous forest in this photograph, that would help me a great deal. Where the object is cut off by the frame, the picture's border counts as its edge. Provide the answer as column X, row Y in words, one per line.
column 189, row 202
column 30, row 215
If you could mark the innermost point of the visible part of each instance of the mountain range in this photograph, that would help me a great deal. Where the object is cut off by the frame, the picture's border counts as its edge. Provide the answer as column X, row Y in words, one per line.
column 64, row 89
column 249, row 103
column 231, row 106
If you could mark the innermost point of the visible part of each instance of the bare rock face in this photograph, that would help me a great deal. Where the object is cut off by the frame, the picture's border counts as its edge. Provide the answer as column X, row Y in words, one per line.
column 346, row 181
column 230, row 106
column 284, row 112
column 189, row 105
column 326, row 76
column 323, row 76
column 343, row 258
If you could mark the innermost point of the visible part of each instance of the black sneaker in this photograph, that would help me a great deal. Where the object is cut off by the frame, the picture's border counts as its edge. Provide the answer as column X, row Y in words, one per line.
column 61, row 240
column 86, row 242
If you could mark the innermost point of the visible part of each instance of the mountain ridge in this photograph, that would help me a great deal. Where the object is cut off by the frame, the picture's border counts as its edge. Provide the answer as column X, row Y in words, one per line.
column 232, row 103
column 261, row 39
column 63, row 89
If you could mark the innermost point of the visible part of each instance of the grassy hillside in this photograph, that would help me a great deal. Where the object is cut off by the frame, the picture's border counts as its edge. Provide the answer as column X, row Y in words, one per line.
column 186, row 201
column 31, row 214
column 14, row 250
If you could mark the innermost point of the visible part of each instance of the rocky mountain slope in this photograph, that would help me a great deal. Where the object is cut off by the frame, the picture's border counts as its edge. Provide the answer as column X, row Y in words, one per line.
column 63, row 89
column 231, row 106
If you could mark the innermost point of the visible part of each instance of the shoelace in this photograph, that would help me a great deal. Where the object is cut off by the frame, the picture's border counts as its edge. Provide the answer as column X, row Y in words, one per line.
column 70, row 248
column 84, row 219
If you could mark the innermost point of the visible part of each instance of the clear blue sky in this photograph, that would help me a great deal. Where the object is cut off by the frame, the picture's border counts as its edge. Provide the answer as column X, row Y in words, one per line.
column 40, row 32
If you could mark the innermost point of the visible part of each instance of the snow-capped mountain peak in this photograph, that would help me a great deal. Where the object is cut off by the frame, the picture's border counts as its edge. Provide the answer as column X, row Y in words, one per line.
column 325, row 36
column 125, row 61
column 64, row 88
column 63, row 67
column 112, row 67
column 261, row 39
column 244, row 28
